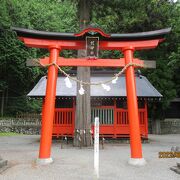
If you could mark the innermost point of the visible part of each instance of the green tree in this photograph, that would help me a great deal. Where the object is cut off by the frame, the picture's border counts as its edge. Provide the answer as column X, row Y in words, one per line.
column 113, row 16
column 48, row 15
column 141, row 15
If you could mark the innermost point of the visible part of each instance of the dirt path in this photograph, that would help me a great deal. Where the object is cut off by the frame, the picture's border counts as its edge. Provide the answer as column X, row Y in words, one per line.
column 71, row 163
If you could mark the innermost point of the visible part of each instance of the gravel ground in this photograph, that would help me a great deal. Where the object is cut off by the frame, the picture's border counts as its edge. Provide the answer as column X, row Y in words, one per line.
column 72, row 163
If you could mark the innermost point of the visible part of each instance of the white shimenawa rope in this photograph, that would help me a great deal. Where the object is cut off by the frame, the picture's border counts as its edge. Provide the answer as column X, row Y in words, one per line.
column 102, row 83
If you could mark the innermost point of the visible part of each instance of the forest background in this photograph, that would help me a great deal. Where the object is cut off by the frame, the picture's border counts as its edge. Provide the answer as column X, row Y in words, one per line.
column 117, row 16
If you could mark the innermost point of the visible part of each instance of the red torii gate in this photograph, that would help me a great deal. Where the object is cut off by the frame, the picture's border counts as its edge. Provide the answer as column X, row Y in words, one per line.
column 56, row 42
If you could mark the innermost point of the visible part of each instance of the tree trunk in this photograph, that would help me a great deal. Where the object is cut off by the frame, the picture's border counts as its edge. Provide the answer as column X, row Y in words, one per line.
column 2, row 104
column 156, row 126
column 156, row 122
column 83, row 104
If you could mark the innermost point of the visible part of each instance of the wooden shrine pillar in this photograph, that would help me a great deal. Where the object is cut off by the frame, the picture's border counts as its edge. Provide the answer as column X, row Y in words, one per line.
column 115, row 119
column 146, row 118
column 135, row 137
column 73, row 116
column 48, row 110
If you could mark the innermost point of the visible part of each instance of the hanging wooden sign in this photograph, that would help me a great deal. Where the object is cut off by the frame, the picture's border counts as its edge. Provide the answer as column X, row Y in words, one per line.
column 92, row 47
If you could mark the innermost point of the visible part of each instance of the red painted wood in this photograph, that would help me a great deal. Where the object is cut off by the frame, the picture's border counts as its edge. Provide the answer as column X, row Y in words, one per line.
column 115, row 119
column 48, row 109
column 74, row 115
column 137, row 45
column 63, row 126
column 120, row 128
column 104, row 45
column 146, row 120
column 135, row 138
column 98, row 30
column 90, row 62
column 66, row 127
column 44, row 43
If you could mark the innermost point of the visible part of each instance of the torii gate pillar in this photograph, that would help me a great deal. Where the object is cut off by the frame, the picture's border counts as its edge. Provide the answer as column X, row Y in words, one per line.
column 135, row 137
column 48, row 110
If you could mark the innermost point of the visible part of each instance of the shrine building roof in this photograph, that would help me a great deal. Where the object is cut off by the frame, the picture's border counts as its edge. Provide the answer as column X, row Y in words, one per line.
column 143, row 86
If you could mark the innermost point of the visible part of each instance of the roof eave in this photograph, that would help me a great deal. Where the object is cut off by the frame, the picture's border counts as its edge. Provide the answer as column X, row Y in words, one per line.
column 158, row 34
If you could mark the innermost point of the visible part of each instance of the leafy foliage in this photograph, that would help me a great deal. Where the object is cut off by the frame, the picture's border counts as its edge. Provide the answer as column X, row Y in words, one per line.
column 112, row 16
column 138, row 16
column 45, row 15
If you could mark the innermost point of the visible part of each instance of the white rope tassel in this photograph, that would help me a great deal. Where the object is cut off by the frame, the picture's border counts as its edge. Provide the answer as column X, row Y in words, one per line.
column 106, row 87
column 81, row 90
column 114, row 80
column 68, row 82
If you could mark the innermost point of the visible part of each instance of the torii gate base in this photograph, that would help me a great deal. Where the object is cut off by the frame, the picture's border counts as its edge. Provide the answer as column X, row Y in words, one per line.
column 127, row 43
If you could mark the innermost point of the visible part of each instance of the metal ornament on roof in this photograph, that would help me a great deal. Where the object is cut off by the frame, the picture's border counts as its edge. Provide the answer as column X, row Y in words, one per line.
column 92, row 32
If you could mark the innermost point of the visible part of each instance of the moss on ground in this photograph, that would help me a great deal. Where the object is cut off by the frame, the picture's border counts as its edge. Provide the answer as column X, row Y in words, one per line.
column 8, row 134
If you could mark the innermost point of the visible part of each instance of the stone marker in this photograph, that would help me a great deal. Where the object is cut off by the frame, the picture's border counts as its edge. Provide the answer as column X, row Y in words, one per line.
column 178, row 165
column 175, row 149
column 176, row 169
column 3, row 165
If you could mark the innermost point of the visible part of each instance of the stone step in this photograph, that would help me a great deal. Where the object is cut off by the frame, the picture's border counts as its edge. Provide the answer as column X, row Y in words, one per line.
column 175, row 169
column 3, row 169
column 178, row 164
column 3, row 163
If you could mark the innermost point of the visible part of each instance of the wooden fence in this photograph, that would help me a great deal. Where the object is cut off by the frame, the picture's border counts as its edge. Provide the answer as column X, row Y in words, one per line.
column 28, row 115
column 114, row 122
